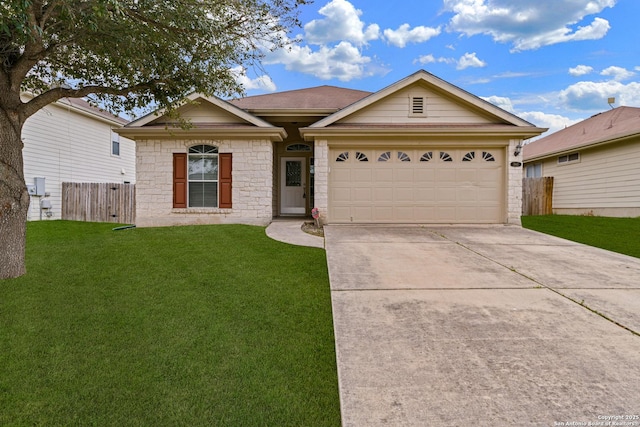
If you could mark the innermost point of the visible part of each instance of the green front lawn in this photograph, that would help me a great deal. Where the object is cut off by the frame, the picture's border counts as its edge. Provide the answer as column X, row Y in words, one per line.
column 615, row 234
column 194, row 326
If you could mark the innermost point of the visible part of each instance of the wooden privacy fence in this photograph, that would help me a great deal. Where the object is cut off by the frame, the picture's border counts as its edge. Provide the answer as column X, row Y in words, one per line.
column 537, row 196
column 99, row 202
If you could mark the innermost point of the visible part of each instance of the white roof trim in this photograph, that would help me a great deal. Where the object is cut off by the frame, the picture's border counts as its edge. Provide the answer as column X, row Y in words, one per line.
column 431, row 80
column 214, row 100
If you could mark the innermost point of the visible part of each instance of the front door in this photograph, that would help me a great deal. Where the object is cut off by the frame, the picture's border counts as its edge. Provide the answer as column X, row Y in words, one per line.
column 293, row 185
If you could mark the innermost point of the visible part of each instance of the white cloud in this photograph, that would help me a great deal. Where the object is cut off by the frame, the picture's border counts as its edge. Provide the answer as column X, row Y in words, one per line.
column 592, row 96
column 404, row 35
column 263, row 82
column 344, row 62
column 470, row 60
column 527, row 24
column 617, row 73
column 341, row 23
column 430, row 59
column 500, row 101
column 554, row 122
column 580, row 70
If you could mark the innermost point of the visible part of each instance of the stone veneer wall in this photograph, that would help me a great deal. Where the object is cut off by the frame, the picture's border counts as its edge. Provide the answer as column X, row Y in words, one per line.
column 514, row 184
column 252, row 181
column 321, row 178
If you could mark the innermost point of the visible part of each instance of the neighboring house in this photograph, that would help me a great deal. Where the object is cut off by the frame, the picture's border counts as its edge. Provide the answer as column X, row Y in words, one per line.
column 71, row 141
column 419, row 151
column 594, row 164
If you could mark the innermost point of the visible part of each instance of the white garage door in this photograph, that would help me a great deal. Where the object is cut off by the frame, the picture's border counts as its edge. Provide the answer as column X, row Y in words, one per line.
column 442, row 185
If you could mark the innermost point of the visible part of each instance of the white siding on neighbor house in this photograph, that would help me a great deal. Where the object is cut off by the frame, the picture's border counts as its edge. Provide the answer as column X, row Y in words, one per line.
column 604, row 178
column 64, row 145
column 396, row 107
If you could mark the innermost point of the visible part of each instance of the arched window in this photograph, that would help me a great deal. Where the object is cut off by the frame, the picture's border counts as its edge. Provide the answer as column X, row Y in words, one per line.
column 298, row 147
column 203, row 176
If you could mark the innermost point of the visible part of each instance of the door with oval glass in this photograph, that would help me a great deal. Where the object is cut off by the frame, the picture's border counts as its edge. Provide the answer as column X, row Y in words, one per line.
column 293, row 185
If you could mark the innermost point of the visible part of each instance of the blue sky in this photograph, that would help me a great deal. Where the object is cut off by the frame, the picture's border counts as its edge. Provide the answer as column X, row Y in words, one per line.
column 551, row 62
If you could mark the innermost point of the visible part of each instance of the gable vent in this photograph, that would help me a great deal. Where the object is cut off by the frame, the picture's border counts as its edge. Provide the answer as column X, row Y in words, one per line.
column 417, row 106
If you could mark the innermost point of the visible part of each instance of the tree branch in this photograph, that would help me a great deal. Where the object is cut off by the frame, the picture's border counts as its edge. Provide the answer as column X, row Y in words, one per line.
column 52, row 95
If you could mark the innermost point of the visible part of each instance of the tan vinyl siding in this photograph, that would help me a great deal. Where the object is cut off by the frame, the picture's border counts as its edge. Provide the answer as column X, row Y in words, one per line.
column 63, row 145
column 204, row 112
column 605, row 177
column 396, row 109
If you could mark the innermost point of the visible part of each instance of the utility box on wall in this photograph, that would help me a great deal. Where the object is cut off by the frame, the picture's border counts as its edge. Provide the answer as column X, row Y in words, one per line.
column 39, row 184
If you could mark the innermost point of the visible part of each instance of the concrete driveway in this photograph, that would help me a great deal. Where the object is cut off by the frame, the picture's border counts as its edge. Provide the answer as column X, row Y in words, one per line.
column 482, row 326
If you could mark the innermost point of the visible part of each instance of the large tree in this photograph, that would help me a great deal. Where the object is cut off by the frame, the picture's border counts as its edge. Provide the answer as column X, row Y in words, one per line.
column 126, row 55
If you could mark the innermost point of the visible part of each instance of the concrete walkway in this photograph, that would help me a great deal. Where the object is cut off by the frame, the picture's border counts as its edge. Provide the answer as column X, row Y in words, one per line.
column 482, row 326
column 290, row 231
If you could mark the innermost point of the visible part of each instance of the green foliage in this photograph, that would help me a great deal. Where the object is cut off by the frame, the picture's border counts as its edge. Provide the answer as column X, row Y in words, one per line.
column 620, row 235
column 152, row 51
column 206, row 325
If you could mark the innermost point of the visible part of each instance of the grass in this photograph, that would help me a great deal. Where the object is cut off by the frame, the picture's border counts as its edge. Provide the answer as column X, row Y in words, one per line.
column 204, row 325
column 615, row 234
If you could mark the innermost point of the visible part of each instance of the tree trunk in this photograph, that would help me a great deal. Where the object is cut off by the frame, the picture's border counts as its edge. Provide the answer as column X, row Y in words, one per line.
column 14, row 198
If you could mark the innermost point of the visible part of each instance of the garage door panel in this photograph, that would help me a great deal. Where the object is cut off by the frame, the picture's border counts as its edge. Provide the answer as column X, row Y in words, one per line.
column 383, row 214
column 425, row 194
column 363, row 195
column 425, row 176
column 489, row 194
column 403, row 175
column 403, row 213
column 383, row 195
column 383, row 175
column 446, row 194
column 341, row 195
column 446, row 176
column 467, row 194
column 361, row 175
column 403, row 195
column 433, row 190
column 362, row 213
column 468, row 176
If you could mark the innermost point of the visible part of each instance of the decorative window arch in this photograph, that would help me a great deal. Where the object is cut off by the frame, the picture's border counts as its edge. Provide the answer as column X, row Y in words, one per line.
column 445, row 157
column 343, row 157
column 403, row 157
column 488, row 157
column 361, row 157
column 469, row 156
column 426, row 156
column 298, row 146
column 384, row 157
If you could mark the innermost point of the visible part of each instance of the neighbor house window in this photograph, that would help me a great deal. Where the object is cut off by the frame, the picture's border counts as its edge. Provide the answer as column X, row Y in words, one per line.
column 202, row 178
column 115, row 144
column 533, row 171
column 567, row 158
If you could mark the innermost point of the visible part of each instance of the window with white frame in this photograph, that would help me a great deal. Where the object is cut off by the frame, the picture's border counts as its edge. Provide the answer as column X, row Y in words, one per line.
column 203, row 176
column 115, row 144
column 533, row 171
column 569, row 158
